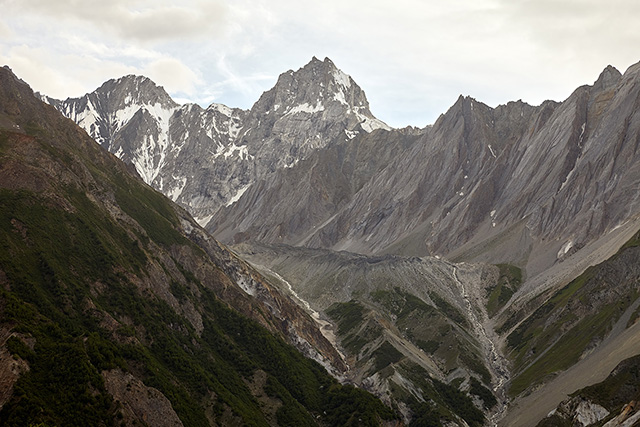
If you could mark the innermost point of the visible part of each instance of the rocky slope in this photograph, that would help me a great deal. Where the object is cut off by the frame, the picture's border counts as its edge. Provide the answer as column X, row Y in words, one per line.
column 115, row 306
column 517, row 183
column 575, row 336
column 612, row 402
column 205, row 159
column 414, row 329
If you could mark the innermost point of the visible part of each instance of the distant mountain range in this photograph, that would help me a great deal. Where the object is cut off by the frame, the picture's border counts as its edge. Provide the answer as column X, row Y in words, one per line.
column 206, row 159
column 479, row 247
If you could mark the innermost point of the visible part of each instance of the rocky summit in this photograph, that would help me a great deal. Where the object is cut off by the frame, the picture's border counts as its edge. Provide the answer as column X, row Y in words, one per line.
column 205, row 159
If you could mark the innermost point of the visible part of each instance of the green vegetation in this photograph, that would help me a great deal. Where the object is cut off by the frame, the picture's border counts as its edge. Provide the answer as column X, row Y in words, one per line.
column 348, row 315
column 556, row 335
column 58, row 261
column 448, row 310
column 18, row 348
column 631, row 243
column 385, row 355
column 509, row 281
column 460, row 403
column 355, row 341
column 483, row 393
column 150, row 209
column 562, row 353
column 402, row 304
column 442, row 401
column 619, row 388
column 435, row 330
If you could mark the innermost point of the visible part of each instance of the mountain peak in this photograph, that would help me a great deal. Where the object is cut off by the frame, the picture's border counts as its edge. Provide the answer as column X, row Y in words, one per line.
column 136, row 89
column 321, row 88
column 609, row 77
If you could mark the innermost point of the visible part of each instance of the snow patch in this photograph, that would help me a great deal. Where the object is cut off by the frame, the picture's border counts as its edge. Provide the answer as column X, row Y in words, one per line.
column 564, row 249
column 150, row 157
column 369, row 124
column 243, row 152
column 238, row 194
column 339, row 96
column 121, row 117
column 291, row 164
column 492, row 152
column 222, row 109
column 305, row 108
column 174, row 193
column 341, row 78
column 203, row 220
column 351, row 133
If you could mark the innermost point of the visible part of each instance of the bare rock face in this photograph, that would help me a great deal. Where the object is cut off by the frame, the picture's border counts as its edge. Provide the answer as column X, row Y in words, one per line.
column 138, row 402
column 580, row 412
column 310, row 165
column 10, row 367
column 516, row 183
column 305, row 111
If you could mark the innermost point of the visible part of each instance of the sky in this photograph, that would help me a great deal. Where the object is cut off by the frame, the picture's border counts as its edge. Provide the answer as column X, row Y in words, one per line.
column 413, row 58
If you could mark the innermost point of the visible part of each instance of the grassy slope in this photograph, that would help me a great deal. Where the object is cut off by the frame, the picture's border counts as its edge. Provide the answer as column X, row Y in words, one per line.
column 79, row 237
column 426, row 326
column 556, row 335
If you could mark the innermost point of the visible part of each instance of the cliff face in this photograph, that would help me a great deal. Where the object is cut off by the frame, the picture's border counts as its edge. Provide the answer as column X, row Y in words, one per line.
column 517, row 183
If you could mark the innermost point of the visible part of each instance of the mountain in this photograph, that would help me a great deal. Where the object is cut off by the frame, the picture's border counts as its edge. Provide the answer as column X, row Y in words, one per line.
column 575, row 336
column 205, row 159
column 517, row 183
column 413, row 330
column 117, row 308
column 612, row 402
column 491, row 265
column 544, row 192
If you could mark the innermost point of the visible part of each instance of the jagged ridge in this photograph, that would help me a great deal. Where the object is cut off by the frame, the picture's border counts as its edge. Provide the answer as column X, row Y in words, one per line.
column 206, row 159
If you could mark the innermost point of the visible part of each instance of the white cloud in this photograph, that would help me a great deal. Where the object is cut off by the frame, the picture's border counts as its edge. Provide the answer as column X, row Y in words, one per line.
column 175, row 76
column 141, row 20
column 5, row 32
column 49, row 73
column 413, row 58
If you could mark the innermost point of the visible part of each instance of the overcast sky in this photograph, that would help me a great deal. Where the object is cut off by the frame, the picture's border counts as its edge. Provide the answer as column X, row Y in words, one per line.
column 412, row 57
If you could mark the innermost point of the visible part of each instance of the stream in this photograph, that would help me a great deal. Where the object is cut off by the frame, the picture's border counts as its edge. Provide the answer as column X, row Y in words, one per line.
column 497, row 364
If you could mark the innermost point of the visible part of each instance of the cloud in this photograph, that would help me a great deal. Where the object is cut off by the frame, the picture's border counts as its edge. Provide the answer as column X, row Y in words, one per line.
column 175, row 76
column 5, row 32
column 46, row 72
column 140, row 20
column 413, row 58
